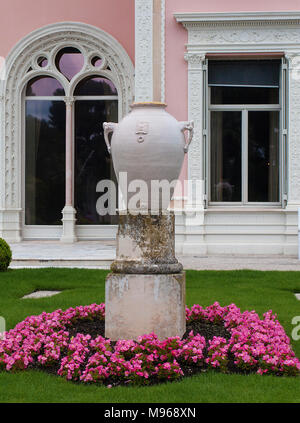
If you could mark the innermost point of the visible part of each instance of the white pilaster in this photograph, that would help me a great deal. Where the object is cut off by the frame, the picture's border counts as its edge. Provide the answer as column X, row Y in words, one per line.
column 10, row 212
column 195, row 113
column 10, row 224
column 194, row 208
column 163, row 50
column 143, row 50
column 294, row 130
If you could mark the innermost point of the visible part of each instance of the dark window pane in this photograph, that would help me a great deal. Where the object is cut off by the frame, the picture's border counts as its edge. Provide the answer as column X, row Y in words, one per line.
column 263, row 156
column 249, row 95
column 226, row 156
column 45, row 162
column 258, row 73
column 69, row 61
column 96, row 61
column 42, row 62
column 95, row 85
column 44, row 86
column 92, row 161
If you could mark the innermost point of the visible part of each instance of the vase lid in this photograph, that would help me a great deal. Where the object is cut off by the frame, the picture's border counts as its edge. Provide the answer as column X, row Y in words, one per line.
column 148, row 104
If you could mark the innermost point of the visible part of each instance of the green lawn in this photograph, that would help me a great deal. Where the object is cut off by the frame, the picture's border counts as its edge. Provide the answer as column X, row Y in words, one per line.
column 251, row 290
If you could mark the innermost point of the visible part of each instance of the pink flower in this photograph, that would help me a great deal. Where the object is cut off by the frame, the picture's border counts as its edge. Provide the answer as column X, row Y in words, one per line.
column 256, row 344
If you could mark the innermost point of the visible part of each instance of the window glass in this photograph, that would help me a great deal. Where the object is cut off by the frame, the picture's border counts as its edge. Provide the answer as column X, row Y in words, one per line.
column 42, row 62
column 44, row 162
column 263, row 156
column 249, row 95
column 226, row 148
column 96, row 61
column 95, row 85
column 44, row 86
column 69, row 61
column 92, row 160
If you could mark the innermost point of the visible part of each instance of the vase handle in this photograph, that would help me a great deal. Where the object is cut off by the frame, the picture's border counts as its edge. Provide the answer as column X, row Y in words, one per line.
column 108, row 128
column 187, row 126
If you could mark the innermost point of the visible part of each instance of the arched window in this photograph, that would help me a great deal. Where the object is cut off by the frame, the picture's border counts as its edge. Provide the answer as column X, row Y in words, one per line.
column 43, row 71
column 65, row 154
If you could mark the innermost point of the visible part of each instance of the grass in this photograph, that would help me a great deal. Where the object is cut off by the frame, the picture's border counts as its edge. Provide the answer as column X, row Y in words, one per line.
column 250, row 290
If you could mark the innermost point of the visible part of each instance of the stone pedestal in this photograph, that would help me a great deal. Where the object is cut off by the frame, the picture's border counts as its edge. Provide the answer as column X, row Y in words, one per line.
column 146, row 291
column 146, row 244
column 138, row 304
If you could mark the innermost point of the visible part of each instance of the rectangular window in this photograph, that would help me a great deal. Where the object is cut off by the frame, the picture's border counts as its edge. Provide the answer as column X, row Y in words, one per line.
column 245, row 120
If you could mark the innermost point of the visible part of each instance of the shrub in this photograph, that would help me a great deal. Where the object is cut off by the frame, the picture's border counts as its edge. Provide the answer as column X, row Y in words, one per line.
column 5, row 255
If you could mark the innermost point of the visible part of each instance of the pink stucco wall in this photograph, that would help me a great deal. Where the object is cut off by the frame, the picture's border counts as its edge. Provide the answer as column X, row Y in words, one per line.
column 20, row 17
column 176, row 38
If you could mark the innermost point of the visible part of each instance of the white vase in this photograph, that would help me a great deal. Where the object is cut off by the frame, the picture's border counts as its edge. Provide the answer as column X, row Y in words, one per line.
column 149, row 144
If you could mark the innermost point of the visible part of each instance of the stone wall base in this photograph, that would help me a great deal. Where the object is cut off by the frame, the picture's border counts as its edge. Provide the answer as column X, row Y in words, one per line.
column 140, row 304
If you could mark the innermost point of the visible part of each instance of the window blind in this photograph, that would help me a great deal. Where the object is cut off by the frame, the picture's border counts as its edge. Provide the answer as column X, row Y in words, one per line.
column 244, row 73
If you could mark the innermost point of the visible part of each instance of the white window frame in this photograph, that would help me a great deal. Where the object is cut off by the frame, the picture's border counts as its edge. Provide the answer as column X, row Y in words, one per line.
column 244, row 109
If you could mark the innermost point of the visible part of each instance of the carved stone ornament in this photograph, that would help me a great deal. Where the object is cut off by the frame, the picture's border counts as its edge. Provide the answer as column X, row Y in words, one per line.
column 69, row 101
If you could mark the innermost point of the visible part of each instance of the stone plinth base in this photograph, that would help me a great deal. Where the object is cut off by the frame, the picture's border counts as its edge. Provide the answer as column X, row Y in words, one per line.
column 69, row 221
column 140, row 304
column 146, row 244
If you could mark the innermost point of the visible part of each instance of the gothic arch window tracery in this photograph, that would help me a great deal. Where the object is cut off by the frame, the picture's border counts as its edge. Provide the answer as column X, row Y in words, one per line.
column 65, row 155
column 34, row 57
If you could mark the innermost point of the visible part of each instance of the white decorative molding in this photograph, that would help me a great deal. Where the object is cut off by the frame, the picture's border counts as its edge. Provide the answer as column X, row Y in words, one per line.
column 144, row 82
column 47, row 41
column 195, row 111
column 163, row 49
column 231, row 31
column 195, row 60
column 239, row 18
column 69, row 100
column 143, row 50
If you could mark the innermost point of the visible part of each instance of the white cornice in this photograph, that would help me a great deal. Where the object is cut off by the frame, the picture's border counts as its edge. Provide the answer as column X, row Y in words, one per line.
column 238, row 18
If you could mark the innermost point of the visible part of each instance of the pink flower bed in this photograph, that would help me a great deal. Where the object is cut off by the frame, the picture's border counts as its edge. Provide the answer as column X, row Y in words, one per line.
column 44, row 341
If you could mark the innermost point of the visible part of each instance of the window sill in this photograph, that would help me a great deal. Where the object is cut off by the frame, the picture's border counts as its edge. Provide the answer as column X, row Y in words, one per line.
column 245, row 209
